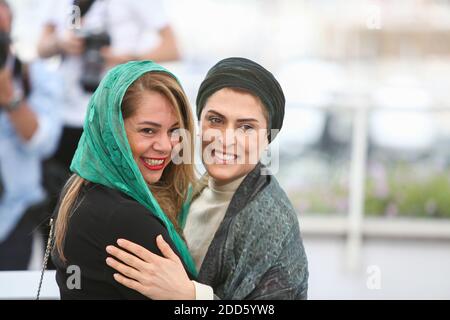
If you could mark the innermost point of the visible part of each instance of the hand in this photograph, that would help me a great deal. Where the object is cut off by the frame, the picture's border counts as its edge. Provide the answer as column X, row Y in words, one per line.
column 6, row 87
column 156, row 277
column 71, row 44
column 112, row 59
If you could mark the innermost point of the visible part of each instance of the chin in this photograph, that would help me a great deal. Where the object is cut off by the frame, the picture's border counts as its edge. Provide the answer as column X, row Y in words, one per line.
column 151, row 179
column 225, row 173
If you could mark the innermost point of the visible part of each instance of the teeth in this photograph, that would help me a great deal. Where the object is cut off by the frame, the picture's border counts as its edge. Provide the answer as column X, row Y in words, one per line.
column 154, row 162
column 224, row 156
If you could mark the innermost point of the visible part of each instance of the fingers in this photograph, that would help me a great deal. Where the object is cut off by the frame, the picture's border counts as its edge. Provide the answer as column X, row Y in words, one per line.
column 123, row 269
column 137, row 250
column 166, row 250
column 129, row 283
column 126, row 257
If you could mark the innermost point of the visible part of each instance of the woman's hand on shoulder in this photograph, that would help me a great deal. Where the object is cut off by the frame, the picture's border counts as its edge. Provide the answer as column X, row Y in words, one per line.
column 154, row 276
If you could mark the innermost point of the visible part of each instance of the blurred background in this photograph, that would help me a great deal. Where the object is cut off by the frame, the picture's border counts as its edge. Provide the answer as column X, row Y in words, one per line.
column 364, row 153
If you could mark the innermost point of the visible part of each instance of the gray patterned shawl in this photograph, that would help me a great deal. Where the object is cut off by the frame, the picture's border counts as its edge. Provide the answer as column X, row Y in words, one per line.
column 257, row 252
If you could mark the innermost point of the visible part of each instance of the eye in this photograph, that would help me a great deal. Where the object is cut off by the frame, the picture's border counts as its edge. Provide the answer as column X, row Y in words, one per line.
column 214, row 120
column 147, row 131
column 246, row 127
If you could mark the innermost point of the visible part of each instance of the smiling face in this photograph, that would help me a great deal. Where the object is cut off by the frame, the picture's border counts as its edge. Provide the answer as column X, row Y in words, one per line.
column 233, row 125
column 152, row 131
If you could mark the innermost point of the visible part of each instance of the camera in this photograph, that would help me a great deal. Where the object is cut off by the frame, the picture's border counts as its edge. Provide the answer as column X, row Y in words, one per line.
column 4, row 48
column 92, row 60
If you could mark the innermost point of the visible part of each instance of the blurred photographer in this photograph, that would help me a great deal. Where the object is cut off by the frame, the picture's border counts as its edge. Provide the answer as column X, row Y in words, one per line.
column 29, row 131
column 93, row 35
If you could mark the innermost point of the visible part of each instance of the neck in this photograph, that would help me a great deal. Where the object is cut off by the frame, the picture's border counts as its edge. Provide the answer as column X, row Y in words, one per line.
column 225, row 185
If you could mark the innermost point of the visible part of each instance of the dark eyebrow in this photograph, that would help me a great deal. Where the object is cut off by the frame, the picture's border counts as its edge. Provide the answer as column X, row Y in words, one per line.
column 239, row 120
column 150, row 123
column 216, row 113
column 247, row 120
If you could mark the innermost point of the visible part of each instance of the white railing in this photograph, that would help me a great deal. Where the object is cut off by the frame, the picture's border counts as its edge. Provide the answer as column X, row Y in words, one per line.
column 355, row 225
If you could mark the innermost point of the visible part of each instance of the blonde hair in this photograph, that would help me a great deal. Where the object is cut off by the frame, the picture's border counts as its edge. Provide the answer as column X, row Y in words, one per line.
column 171, row 190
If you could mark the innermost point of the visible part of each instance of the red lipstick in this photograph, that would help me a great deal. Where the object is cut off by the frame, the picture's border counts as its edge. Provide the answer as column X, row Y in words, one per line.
column 154, row 167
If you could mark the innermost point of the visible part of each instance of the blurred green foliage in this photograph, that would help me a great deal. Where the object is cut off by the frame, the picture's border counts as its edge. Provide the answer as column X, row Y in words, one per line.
column 401, row 190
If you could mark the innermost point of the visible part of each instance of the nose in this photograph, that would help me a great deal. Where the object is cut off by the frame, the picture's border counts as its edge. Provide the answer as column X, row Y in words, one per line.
column 163, row 144
column 227, row 137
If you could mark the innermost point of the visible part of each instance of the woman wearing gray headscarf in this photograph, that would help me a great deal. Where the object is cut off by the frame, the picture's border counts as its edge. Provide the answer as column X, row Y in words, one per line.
column 241, row 228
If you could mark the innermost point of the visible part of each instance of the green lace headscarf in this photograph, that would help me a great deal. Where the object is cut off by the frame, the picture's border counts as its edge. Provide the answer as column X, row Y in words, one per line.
column 104, row 155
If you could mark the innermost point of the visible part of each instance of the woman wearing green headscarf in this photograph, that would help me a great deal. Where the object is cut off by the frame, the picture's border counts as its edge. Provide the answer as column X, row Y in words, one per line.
column 125, row 184
column 241, row 228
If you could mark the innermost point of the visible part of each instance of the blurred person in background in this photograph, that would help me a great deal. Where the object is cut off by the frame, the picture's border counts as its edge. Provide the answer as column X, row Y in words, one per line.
column 29, row 131
column 92, row 36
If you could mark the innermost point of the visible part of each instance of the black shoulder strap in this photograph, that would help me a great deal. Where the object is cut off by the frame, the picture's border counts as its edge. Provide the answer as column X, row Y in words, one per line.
column 48, row 251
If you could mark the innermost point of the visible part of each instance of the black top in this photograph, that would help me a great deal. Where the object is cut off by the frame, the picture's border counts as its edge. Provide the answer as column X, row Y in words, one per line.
column 103, row 215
